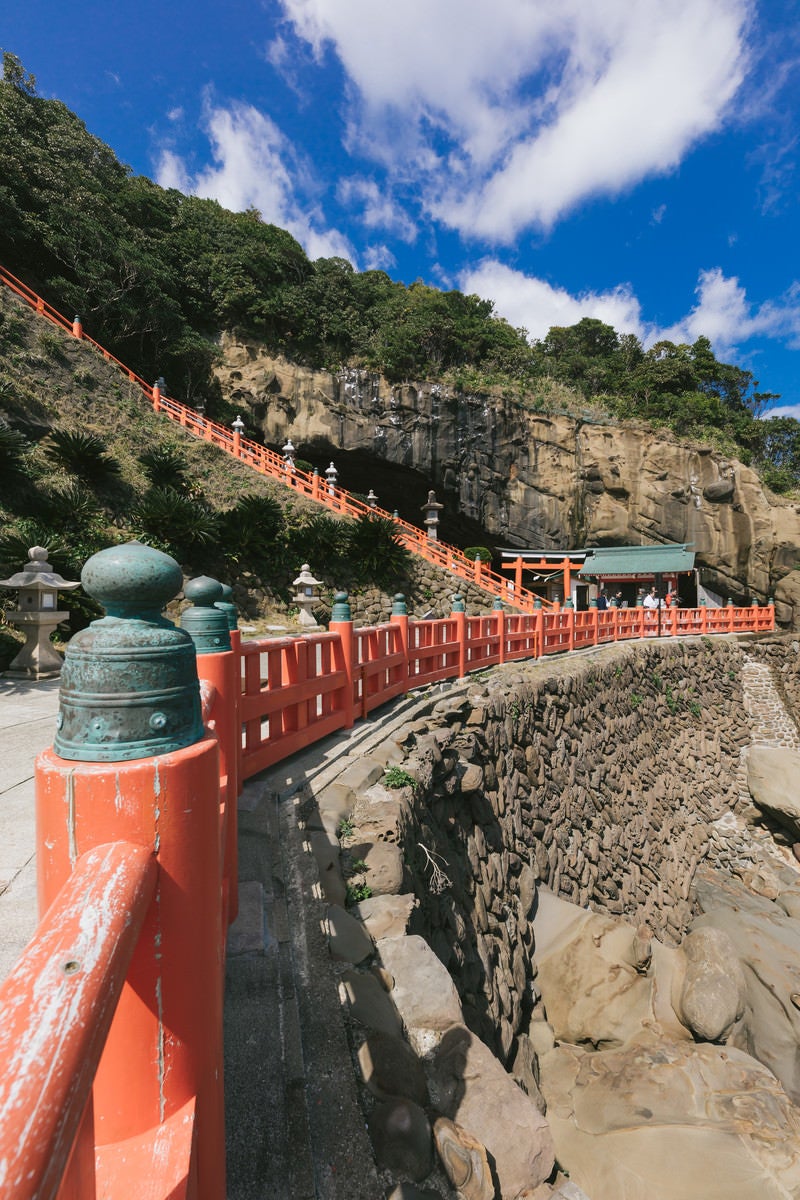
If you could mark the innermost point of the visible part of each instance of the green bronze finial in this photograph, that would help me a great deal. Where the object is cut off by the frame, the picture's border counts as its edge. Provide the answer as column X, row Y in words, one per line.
column 129, row 686
column 228, row 607
column 399, row 605
column 537, row 602
column 458, row 603
column 498, row 604
column 206, row 624
column 341, row 609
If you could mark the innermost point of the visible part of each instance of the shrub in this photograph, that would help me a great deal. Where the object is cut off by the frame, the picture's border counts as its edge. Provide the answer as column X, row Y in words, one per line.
column 320, row 541
column 174, row 523
column 472, row 552
column 376, row 555
column 250, row 531
column 13, row 448
column 165, row 467
column 82, row 454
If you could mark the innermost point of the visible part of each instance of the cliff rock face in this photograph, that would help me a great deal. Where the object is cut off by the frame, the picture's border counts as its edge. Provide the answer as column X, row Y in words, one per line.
column 533, row 479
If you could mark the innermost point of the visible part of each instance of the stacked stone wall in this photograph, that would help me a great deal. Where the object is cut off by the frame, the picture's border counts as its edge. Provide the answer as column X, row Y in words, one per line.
column 782, row 655
column 600, row 777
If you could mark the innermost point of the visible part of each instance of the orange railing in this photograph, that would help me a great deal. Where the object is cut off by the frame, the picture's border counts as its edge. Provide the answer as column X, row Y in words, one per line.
column 296, row 690
column 137, row 879
column 267, row 462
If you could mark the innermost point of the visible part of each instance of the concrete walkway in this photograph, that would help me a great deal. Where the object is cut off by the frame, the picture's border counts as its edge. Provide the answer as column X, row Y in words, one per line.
column 27, row 725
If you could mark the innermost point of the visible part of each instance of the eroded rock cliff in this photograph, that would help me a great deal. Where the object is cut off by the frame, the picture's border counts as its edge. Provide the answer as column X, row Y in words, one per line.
column 532, row 478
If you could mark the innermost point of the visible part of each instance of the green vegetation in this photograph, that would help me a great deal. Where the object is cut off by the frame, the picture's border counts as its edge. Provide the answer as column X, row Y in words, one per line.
column 397, row 777
column 155, row 276
column 345, row 829
column 484, row 552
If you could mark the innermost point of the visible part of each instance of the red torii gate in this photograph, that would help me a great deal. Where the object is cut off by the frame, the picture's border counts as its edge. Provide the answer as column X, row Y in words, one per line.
column 545, row 564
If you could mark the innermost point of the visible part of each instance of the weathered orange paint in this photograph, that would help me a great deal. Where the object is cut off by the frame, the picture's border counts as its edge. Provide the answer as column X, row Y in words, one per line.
column 171, row 1006
column 58, row 1004
column 222, row 672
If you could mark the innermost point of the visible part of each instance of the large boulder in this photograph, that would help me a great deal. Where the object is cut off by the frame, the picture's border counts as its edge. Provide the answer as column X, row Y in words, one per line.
column 590, row 976
column 767, row 945
column 660, row 1120
column 712, row 993
column 469, row 1086
column 772, row 774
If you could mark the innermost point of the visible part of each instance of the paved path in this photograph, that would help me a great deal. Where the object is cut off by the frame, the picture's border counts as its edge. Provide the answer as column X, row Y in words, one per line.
column 27, row 725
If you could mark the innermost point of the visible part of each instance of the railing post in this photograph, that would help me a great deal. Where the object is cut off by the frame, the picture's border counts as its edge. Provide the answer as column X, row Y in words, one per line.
column 703, row 616
column 156, row 398
column 500, row 621
column 595, row 621
column 729, row 614
column 341, row 623
column 399, row 618
column 315, row 484
column 132, row 762
column 206, row 622
column 538, row 613
column 771, row 606
column 459, row 615
column 477, row 569
column 570, row 611
column 77, row 327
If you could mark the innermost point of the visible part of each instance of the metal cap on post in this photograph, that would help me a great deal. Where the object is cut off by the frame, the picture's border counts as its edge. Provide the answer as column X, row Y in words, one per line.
column 399, row 607
column 228, row 607
column 341, row 607
column 129, row 686
column 205, row 622
column 458, row 603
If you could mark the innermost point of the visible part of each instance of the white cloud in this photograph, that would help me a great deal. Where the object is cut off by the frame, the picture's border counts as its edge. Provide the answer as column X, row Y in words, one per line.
column 378, row 210
column 725, row 315
column 722, row 312
column 255, row 166
column 536, row 305
column 534, row 106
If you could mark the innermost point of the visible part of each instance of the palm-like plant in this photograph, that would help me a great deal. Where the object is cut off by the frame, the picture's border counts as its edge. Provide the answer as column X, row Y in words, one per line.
column 82, row 454
column 174, row 523
column 251, row 530
column 165, row 466
column 376, row 556
column 14, row 447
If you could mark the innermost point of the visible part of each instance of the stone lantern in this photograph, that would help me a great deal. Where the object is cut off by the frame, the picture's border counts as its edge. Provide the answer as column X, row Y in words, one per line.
column 288, row 455
column 37, row 615
column 306, row 597
column 331, row 475
column 431, row 509
column 372, row 499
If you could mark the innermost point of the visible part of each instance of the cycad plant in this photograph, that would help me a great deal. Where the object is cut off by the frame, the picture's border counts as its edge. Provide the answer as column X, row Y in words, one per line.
column 177, row 524
column 376, row 555
column 165, row 466
column 14, row 447
column 251, row 531
column 82, row 454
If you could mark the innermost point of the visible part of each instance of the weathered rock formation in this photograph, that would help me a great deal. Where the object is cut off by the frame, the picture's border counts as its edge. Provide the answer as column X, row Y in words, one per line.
column 534, row 478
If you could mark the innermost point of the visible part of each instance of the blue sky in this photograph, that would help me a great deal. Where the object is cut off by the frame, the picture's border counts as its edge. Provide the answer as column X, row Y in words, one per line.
column 633, row 160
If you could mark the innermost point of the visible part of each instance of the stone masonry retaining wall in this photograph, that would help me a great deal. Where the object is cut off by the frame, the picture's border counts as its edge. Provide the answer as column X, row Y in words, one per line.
column 602, row 776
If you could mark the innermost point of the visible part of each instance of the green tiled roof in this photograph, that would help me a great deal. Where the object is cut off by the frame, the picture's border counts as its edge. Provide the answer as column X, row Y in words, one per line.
column 638, row 560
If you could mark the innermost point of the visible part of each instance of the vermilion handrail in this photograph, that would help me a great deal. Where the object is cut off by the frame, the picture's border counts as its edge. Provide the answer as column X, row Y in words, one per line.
column 297, row 690
column 76, row 963
column 268, row 463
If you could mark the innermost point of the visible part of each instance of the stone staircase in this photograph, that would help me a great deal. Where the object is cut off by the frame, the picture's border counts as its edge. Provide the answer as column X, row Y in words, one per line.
column 740, row 844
